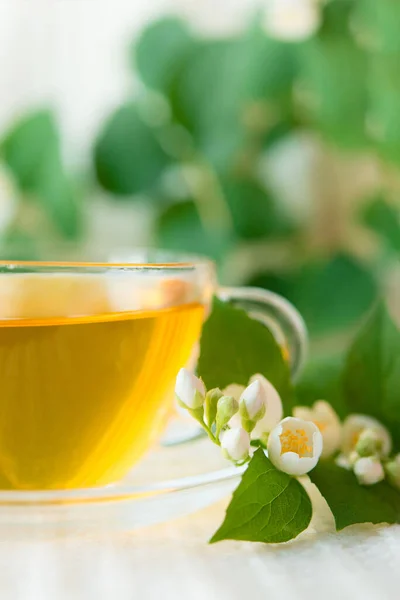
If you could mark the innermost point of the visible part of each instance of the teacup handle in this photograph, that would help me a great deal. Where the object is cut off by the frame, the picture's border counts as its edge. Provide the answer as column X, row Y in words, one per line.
column 279, row 315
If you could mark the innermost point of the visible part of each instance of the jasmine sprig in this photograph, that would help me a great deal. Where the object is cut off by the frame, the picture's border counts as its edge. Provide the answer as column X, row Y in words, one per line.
column 228, row 421
column 270, row 505
column 294, row 445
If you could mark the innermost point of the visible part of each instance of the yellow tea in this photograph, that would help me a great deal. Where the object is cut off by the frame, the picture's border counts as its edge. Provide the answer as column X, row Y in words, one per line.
column 81, row 398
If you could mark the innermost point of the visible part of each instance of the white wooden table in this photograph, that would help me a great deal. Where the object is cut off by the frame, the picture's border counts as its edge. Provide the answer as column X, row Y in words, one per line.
column 174, row 561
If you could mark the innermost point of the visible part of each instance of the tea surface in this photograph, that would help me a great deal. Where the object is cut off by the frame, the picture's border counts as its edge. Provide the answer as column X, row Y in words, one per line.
column 82, row 398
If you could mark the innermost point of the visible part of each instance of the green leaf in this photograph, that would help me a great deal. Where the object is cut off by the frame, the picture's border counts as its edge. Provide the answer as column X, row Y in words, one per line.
column 384, row 219
column 268, row 506
column 322, row 380
column 198, row 101
column 233, row 347
column 378, row 25
column 383, row 114
column 32, row 152
column 59, row 196
column 253, row 210
column 333, row 295
column 280, row 283
column 334, row 76
column 353, row 503
column 372, row 372
column 160, row 51
column 218, row 84
column 27, row 145
column 345, row 281
column 128, row 156
column 179, row 227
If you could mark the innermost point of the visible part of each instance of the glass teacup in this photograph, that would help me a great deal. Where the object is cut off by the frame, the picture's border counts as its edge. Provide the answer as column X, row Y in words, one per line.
column 88, row 356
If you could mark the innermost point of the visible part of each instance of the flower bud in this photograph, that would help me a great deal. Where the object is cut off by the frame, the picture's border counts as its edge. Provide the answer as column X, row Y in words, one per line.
column 273, row 408
column 227, row 407
column 210, row 405
column 368, row 470
column 369, row 443
column 252, row 405
column 190, row 390
column 235, row 444
column 392, row 469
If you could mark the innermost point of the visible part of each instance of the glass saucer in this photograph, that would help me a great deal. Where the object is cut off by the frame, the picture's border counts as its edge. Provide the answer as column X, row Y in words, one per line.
column 170, row 481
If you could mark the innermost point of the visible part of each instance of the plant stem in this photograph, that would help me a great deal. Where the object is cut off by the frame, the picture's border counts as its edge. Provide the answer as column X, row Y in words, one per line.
column 210, row 434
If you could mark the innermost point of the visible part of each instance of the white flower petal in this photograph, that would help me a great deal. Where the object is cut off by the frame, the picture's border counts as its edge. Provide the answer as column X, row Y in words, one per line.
column 300, row 454
column 303, row 412
column 189, row 389
column 355, row 424
column 235, row 421
column 293, row 465
column 236, row 444
column 252, row 401
column 369, row 470
column 273, row 407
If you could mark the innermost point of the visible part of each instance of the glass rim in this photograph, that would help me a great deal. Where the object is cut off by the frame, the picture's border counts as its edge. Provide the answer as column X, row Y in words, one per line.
column 164, row 260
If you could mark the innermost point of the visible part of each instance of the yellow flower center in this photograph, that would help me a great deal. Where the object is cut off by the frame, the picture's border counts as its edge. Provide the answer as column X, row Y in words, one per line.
column 295, row 441
column 354, row 439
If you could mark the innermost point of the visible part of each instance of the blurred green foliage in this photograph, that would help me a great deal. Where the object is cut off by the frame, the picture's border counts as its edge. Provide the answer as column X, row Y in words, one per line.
column 330, row 294
column 128, row 156
column 32, row 152
column 209, row 113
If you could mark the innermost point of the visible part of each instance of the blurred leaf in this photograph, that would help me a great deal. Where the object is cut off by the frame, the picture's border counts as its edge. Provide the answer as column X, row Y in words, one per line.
column 372, row 374
column 18, row 245
column 377, row 24
column 128, row 156
column 268, row 65
column 253, row 211
column 334, row 73
column 28, row 145
column 220, row 80
column 335, row 294
column 384, row 219
column 383, row 115
column 280, row 283
column 203, row 101
column 33, row 154
column 161, row 50
column 279, row 130
column 59, row 196
column 179, row 227
column 322, row 380
column 331, row 295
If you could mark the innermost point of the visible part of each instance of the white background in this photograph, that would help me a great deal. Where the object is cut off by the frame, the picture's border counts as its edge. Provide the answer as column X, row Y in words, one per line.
column 72, row 55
